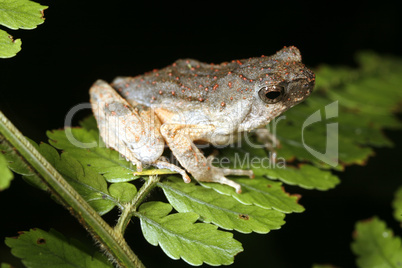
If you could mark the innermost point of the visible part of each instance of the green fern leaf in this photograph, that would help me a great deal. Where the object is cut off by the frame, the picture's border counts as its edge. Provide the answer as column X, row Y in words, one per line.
column 17, row 14
column 180, row 237
column 397, row 205
column 222, row 210
column 88, row 183
column 37, row 248
column 5, row 174
column 105, row 161
column 19, row 165
column 123, row 192
column 306, row 176
column 261, row 192
column 89, row 123
column 8, row 46
column 250, row 155
column 21, row 14
column 375, row 245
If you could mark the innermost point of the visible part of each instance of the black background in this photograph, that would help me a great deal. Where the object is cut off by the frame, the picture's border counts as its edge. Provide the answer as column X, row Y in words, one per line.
column 82, row 41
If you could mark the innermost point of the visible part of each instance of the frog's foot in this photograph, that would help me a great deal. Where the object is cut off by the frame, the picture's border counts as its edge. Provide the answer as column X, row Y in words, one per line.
column 130, row 158
column 218, row 175
column 162, row 163
column 269, row 140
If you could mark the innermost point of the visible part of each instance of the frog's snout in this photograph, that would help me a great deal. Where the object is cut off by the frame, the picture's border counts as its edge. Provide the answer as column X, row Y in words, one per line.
column 309, row 86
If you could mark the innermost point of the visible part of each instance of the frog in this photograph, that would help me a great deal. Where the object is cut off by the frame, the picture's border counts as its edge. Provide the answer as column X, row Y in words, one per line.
column 191, row 102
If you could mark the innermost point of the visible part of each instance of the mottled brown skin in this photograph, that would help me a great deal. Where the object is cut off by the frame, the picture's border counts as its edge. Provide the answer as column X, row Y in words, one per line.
column 192, row 101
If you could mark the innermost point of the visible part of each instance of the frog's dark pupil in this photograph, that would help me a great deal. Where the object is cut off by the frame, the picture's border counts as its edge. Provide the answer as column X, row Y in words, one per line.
column 272, row 95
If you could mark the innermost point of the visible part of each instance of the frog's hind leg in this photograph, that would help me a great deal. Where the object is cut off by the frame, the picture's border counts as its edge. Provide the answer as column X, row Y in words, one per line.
column 132, row 131
column 180, row 139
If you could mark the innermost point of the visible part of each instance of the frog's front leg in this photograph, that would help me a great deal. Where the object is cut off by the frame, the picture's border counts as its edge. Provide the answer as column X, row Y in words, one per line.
column 180, row 137
column 269, row 140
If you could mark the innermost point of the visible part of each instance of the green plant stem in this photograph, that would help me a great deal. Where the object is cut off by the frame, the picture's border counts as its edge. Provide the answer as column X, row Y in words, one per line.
column 130, row 208
column 110, row 242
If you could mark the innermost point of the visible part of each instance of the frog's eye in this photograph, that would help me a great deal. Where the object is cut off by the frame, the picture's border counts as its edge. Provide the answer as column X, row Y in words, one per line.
column 271, row 94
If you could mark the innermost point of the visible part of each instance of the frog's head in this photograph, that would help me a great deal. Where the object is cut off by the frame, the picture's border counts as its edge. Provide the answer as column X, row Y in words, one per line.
column 280, row 82
column 286, row 82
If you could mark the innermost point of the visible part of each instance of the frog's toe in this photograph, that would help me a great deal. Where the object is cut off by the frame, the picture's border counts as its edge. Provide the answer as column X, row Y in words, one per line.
column 223, row 180
column 131, row 158
column 229, row 171
column 238, row 172
column 162, row 163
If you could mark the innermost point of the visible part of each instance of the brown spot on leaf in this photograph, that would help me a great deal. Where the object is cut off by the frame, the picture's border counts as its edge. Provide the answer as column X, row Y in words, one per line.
column 244, row 217
column 297, row 196
column 41, row 241
column 355, row 234
column 12, row 39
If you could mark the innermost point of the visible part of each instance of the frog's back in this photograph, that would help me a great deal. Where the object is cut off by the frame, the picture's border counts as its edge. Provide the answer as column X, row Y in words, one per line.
column 191, row 83
column 186, row 80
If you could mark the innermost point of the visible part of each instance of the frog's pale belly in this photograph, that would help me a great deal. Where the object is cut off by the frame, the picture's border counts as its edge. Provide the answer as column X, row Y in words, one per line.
column 192, row 101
